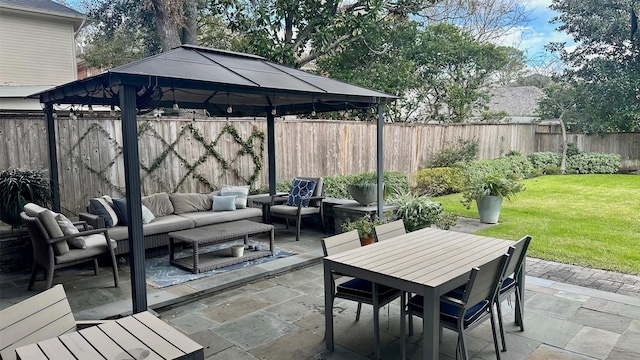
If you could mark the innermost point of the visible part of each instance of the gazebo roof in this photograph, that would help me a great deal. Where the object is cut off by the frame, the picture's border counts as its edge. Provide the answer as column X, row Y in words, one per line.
column 201, row 78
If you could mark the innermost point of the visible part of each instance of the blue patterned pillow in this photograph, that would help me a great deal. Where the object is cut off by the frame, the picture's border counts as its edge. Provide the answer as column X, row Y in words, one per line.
column 301, row 189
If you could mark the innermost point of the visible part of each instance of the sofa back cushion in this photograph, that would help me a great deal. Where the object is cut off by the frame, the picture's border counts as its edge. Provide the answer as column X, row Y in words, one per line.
column 159, row 204
column 190, row 202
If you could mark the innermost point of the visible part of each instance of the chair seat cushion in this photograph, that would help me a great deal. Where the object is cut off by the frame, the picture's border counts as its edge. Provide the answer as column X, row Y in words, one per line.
column 507, row 285
column 96, row 245
column 363, row 288
column 449, row 312
column 293, row 210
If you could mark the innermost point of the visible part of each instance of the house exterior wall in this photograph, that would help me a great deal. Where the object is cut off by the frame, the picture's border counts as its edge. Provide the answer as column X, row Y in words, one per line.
column 36, row 49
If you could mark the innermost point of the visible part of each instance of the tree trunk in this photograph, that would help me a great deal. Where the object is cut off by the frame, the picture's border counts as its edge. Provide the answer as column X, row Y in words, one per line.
column 563, row 161
column 167, row 28
column 190, row 22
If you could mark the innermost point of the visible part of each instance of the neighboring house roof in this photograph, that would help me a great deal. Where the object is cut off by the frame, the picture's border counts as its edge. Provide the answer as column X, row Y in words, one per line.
column 515, row 101
column 46, row 6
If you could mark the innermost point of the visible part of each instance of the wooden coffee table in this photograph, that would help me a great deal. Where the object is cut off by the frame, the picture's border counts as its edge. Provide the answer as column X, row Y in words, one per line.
column 217, row 234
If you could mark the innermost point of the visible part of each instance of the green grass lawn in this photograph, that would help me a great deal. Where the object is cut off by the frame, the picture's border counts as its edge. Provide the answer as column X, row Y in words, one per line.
column 588, row 220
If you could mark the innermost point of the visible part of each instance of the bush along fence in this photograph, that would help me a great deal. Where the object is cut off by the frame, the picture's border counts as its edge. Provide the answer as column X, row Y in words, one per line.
column 199, row 155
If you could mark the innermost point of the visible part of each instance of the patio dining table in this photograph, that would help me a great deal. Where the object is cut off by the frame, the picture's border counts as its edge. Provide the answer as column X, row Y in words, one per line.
column 428, row 262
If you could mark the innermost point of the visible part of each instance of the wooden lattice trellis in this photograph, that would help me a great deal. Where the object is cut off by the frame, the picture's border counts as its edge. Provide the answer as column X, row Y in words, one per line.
column 247, row 147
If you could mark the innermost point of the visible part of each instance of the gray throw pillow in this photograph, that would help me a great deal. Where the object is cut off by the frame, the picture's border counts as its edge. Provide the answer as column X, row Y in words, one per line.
column 240, row 192
column 68, row 228
column 224, row 203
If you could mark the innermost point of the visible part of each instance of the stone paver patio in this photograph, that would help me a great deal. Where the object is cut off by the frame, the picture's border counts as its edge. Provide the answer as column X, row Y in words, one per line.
column 268, row 311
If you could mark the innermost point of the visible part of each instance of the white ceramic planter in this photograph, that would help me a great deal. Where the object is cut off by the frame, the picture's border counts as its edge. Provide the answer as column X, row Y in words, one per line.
column 489, row 209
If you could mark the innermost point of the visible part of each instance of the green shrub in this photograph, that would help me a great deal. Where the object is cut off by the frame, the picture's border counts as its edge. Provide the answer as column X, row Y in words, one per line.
column 418, row 212
column 336, row 186
column 19, row 187
column 594, row 163
column 572, row 150
column 514, row 167
column 462, row 150
column 439, row 181
column 281, row 186
column 552, row 170
column 540, row 160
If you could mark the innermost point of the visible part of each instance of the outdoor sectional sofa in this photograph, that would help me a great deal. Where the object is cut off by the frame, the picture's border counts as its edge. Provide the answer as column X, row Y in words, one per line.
column 171, row 212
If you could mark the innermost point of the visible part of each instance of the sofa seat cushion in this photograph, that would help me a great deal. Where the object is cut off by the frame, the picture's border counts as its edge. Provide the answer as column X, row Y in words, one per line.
column 96, row 245
column 202, row 218
column 162, row 224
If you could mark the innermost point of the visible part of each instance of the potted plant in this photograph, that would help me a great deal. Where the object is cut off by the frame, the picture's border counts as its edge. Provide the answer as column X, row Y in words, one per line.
column 488, row 192
column 364, row 188
column 19, row 187
column 365, row 226
column 418, row 212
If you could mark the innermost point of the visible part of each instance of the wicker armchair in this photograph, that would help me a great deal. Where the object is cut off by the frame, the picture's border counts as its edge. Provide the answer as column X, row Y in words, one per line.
column 46, row 248
column 299, row 202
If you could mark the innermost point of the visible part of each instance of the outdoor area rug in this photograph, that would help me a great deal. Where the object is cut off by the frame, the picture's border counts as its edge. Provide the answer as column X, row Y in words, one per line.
column 160, row 273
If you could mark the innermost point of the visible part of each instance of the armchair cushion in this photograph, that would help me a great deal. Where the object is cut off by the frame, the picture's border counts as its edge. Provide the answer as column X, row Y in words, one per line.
column 68, row 228
column 241, row 192
column 300, row 189
column 100, row 206
column 293, row 210
column 96, row 245
column 48, row 220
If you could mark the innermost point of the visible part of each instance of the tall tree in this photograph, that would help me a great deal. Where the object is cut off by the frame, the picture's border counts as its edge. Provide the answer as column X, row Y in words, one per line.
column 560, row 102
column 298, row 32
column 606, row 60
column 120, row 31
column 439, row 73
column 485, row 20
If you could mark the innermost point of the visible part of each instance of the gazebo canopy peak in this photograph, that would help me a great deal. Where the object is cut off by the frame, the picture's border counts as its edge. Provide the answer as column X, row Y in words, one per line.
column 195, row 77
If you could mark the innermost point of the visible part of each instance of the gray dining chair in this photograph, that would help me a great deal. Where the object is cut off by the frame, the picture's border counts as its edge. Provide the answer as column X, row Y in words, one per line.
column 389, row 230
column 358, row 290
column 464, row 311
column 510, row 284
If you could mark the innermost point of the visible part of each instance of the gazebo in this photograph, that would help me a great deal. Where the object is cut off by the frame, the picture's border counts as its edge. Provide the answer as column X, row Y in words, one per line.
column 224, row 83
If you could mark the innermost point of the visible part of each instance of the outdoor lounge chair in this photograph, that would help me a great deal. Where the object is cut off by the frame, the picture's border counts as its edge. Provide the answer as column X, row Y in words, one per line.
column 510, row 284
column 51, row 250
column 463, row 311
column 303, row 200
column 389, row 230
column 358, row 290
column 40, row 317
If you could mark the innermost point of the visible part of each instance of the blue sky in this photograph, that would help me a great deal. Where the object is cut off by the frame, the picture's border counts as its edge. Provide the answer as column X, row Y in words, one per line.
column 532, row 37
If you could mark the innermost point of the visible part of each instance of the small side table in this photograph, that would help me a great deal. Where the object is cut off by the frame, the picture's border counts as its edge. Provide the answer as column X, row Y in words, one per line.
column 265, row 201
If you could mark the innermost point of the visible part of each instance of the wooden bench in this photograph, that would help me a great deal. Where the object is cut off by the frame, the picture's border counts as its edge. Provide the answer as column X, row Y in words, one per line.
column 37, row 318
column 43, row 327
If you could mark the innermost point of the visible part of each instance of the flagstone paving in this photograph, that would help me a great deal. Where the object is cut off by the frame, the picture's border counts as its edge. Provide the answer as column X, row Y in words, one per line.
column 275, row 311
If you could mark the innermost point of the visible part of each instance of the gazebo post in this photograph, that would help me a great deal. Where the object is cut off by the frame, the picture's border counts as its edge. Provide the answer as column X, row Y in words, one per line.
column 380, row 155
column 134, row 204
column 53, row 157
column 271, row 151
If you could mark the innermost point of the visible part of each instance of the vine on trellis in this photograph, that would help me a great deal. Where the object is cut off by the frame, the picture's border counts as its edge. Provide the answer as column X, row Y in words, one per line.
column 247, row 147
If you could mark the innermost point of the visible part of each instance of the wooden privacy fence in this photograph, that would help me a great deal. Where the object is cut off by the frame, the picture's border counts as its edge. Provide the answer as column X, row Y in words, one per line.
column 198, row 155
